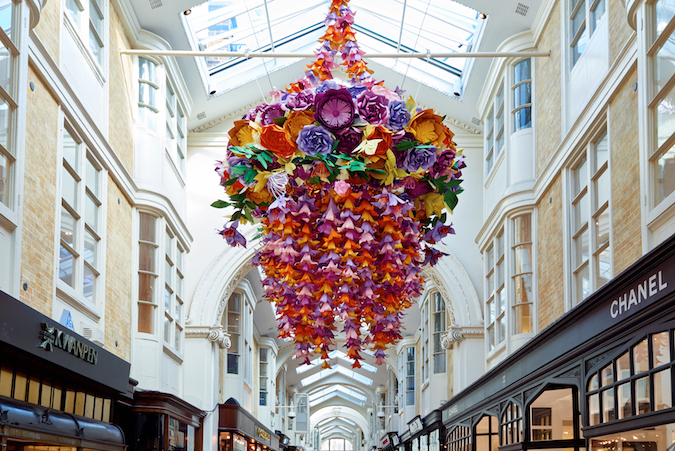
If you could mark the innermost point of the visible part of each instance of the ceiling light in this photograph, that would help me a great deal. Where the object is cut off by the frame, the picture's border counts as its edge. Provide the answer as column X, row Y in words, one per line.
column 187, row 12
column 380, row 414
column 482, row 16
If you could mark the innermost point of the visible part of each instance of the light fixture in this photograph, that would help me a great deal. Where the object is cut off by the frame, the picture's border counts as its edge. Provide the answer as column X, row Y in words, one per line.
column 187, row 12
column 380, row 414
column 482, row 16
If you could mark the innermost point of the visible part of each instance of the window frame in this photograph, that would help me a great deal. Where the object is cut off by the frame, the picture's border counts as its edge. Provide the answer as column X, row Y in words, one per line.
column 496, row 294
column 9, row 96
column 409, row 362
column 235, row 337
column 586, row 28
column 437, row 349
column 83, row 29
column 174, row 310
column 517, row 107
column 515, row 305
column 495, row 128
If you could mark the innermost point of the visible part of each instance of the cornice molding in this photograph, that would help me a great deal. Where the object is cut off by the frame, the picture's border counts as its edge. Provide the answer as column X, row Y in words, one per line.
column 214, row 334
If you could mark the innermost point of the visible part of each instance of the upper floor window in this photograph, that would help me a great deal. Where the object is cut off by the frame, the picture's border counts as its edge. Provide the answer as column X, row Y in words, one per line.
column 88, row 21
column 9, row 53
column 81, row 225
column 173, row 292
column 181, row 139
column 148, row 272
column 438, row 331
column 496, row 303
column 262, row 355
column 522, row 274
column 148, row 93
column 232, row 323
column 494, row 130
column 410, row 376
column 522, row 95
column 589, row 222
column 424, row 313
column 661, row 151
column 580, row 28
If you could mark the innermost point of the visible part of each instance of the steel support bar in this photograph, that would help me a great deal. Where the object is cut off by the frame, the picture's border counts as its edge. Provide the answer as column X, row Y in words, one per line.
column 206, row 54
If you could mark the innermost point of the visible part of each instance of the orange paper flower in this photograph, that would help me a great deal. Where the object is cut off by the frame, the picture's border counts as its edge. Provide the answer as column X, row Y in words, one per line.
column 428, row 128
column 274, row 138
column 241, row 133
column 295, row 122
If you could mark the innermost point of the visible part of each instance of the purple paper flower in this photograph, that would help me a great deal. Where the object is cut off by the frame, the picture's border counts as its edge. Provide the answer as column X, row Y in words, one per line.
column 326, row 85
column 300, row 100
column 438, row 232
column 399, row 116
column 421, row 157
column 334, row 109
column 315, row 140
column 253, row 112
column 443, row 164
column 232, row 235
column 373, row 108
column 416, row 188
column 269, row 113
column 349, row 139
column 356, row 90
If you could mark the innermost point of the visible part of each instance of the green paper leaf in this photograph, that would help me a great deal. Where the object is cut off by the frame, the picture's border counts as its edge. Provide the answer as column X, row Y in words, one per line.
column 220, row 204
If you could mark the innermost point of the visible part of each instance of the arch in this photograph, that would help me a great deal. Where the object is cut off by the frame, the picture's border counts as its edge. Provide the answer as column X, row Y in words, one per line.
column 345, row 412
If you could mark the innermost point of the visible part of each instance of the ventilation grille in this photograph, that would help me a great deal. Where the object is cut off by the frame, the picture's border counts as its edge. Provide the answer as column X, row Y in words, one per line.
column 154, row 4
column 92, row 333
column 475, row 120
column 520, row 9
column 201, row 115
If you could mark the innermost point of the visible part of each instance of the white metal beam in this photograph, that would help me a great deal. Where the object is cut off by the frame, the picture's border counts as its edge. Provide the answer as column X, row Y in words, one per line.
column 207, row 54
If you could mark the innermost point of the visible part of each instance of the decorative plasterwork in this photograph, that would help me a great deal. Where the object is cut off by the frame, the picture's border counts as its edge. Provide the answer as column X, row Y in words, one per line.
column 456, row 334
column 214, row 334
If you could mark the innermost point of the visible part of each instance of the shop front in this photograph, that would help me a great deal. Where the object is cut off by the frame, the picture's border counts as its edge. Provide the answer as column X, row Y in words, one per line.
column 599, row 378
column 239, row 431
column 58, row 390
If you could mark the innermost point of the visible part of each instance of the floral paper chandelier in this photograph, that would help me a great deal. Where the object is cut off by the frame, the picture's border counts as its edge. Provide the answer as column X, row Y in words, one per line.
column 350, row 184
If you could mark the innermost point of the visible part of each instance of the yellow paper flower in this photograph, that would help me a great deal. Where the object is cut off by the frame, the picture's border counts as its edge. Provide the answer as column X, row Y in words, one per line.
column 428, row 128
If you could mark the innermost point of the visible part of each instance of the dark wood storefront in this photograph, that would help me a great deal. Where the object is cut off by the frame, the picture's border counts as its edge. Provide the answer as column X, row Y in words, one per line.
column 240, row 431
column 600, row 377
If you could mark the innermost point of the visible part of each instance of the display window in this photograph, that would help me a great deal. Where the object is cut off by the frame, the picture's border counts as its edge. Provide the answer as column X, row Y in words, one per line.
column 658, row 438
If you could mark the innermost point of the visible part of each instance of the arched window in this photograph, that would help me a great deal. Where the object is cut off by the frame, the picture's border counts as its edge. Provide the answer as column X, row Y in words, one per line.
column 336, row 444
column 552, row 415
column 459, row 439
column 512, row 424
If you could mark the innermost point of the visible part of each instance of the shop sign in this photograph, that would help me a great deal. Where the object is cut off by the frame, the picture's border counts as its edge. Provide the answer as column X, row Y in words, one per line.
column 52, row 337
column 644, row 290
column 263, row 434
column 415, row 425
column 384, row 442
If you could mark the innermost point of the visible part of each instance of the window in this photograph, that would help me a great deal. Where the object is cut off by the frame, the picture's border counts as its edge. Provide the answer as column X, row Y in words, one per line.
column 512, row 424
column 147, row 271
column 336, row 444
column 636, row 382
column 232, row 325
column 487, row 434
column 494, row 130
column 552, row 415
column 581, row 29
column 439, row 330
column 175, row 141
column 9, row 58
column 81, row 223
column 181, row 139
column 87, row 20
column 522, row 95
column 496, row 303
column 459, row 439
column 148, row 88
column 410, row 376
column 173, row 292
column 661, row 100
column 646, row 439
column 424, row 313
column 522, row 274
column 591, row 262
column 263, row 375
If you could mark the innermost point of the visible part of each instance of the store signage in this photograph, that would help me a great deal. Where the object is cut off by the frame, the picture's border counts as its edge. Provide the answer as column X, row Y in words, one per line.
column 385, row 442
column 415, row 425
column 263, row 434
column 643, row 291
column 52, row 337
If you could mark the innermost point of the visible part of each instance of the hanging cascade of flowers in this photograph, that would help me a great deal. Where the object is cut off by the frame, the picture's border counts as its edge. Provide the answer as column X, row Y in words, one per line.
column 350, row 184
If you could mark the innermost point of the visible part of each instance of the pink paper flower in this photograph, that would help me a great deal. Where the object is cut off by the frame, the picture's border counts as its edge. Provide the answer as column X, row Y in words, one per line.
column 341, row 187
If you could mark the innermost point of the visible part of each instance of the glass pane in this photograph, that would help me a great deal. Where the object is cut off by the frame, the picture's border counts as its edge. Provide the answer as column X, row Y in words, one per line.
column 145, row 312
column 410, row 371
column 95, row 46
column 67, row 227
column 92, row 178
column 607, row 374
column 642, row 396
column 233, row 303
column 439, row 363
column 522, row 229
column 602, row 188
column 491, row 283
column 522, row 95
column 662, row 390
column 660, row 349
column 523, row 118
column 146, row 257
column 167, row 299
column 490, row 259
column 665, row 112
column 410, row 399
column 89, row 283
column 603, row 264
column 523, row 288
column 502, row 328
column 491, row 310
column 599, row 13
column 90, row 248
column 179, row 286
column 552, row 415
column 579, row 47
column 664, row 63
column 66, row 265
column 4, row 179
column 147, row 117
column 439, row 322
column 523, row 258
column 145, row 287
column 580, row 176
column 608, row 412
column 623, row 367
column 5, row 66
column 523, row 319
column 177, row 333
column 581, row 248
column 146, row 94
column 168, row 273
column 147, row 232
column 73, row 11
column 594, row 409
column 602, row 228
column 583, row 284
column 178, row 313
column 146, row 69
column 640, row 357
column 593, row 383
column 91, row 212
column 522, row 71
column 4, row 124
column 500, row 273
column 491, row 336
column 665, row 174
column 578, row 18
column 625, row 404
column 665, row 9
column 70, row 150
column 95, row 17
column 69, row 188
column 167, row 330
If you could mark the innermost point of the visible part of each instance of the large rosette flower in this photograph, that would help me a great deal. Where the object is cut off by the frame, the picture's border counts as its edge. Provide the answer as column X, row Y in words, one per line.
column 295, row 122
column 349, row 139
column 315, row 140
column 421, row 157
column 334, row 109
column 274, row 138
column 428, row 128
column 373, row 108
column 269, row 113
column 300, row 100
column 399, row 116
column 241, row 133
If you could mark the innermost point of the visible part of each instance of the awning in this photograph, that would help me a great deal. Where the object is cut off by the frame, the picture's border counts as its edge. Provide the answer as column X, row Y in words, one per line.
column 28, row 422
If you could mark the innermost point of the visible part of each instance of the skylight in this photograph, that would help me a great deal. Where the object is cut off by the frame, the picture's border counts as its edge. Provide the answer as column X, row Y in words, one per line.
column 336, row 354
column 294, row 26
column 322, row 395
column 338, row 369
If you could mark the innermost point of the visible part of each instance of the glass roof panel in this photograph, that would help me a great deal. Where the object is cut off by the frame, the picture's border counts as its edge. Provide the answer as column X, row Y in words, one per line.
column 291, row 26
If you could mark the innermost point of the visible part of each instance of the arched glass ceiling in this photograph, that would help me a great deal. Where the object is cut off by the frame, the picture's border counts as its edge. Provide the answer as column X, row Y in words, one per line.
column 293, row 26
column 353, row 396
column 338, row 369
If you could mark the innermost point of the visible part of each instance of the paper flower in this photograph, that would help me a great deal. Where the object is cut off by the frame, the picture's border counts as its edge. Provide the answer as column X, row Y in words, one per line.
column 315, row 140
column 373, row 108
column 428, row 128
column 274, row 138
column 334, row 109
column 421, row 157
column 295, row 121
column 300, row 100
column 269, row 113
column 398, row 115
column 348, row 140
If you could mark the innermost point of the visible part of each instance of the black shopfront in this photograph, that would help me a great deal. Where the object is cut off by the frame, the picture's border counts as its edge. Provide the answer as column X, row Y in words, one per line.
column 240, row 431
column 599, row 378
column 58, row 390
